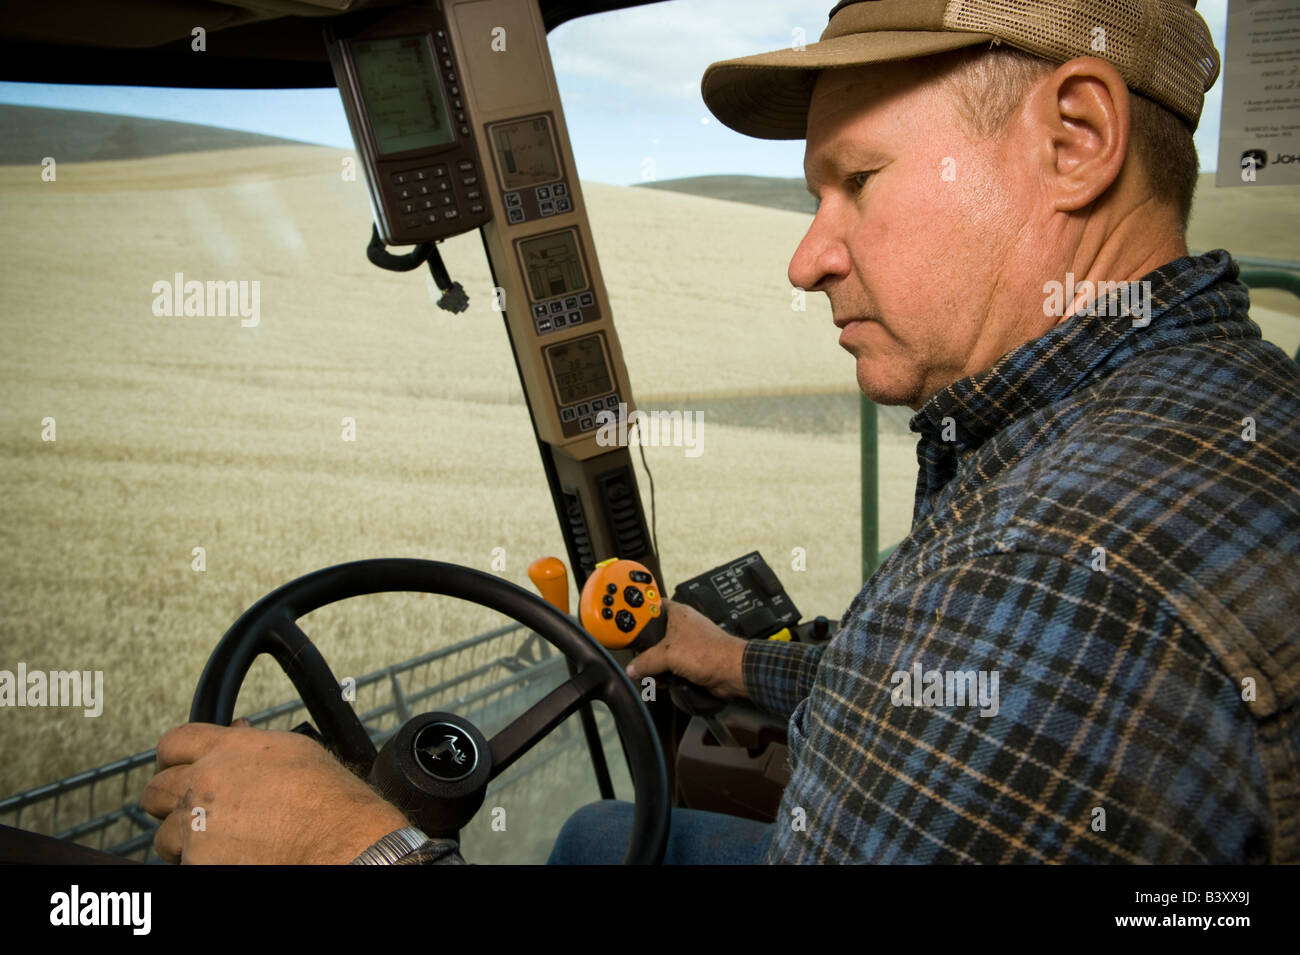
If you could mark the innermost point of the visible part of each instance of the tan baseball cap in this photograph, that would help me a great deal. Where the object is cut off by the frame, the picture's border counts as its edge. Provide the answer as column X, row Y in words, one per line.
column 1162, row 49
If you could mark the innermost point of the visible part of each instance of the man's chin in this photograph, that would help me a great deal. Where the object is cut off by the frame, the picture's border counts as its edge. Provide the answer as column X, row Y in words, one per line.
column 884, row 390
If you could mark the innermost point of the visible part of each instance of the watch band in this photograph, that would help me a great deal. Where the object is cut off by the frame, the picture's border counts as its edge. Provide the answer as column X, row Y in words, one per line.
column 435, row 852
column 392, row 848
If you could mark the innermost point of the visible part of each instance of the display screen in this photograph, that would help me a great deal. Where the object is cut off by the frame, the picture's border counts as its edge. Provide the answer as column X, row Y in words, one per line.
column 579, row 369
column 403, row 94
column 553, row 265
column 525, row 153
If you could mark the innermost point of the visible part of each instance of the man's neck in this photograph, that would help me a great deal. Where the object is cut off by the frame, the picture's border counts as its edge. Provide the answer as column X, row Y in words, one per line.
column 1102, row 251
column 1123, row 251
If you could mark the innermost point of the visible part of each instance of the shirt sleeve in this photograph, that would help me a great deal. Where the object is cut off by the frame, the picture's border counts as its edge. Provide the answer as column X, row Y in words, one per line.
column 1018, row 708
column 779, row 674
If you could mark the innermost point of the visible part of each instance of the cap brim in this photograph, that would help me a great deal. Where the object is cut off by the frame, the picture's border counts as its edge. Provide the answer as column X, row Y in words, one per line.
column 766, row 95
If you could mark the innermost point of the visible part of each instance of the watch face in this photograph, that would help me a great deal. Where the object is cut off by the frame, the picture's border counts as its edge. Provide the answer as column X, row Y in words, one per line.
column 445, row 752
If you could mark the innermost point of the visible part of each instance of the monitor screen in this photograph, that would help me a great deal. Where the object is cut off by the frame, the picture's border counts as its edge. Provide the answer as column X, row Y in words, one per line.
column 579, row 369
column 553, row 265
column 403, row 93
column 525, row 153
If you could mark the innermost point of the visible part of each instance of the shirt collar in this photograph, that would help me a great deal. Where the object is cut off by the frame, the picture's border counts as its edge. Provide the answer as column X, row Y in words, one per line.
column 1087, row 347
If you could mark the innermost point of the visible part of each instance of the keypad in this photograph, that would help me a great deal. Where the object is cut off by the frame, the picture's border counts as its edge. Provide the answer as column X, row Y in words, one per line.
column 564, row 311
column 537, row 202
column 434, row 194
column 581, row 416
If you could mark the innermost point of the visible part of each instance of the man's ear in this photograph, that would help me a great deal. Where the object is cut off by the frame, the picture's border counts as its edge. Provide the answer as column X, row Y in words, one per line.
column 1080, row 118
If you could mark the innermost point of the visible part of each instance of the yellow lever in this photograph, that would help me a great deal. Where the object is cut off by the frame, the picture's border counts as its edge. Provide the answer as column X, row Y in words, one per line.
column 552, row 581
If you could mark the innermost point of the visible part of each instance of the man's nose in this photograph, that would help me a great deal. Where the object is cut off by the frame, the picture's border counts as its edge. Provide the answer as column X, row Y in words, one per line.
column 819, row 257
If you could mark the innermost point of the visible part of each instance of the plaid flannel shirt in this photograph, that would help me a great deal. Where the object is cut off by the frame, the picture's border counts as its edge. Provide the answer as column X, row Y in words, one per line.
column 1095, row 526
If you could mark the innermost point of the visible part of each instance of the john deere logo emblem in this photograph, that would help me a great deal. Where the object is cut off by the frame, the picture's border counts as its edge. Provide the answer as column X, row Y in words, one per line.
column 445, row 752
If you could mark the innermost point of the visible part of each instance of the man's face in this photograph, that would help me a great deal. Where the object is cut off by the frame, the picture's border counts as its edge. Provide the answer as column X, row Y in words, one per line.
column 914, row 221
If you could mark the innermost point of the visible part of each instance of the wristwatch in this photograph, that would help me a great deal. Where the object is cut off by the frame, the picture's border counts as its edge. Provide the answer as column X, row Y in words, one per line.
column 408, row 846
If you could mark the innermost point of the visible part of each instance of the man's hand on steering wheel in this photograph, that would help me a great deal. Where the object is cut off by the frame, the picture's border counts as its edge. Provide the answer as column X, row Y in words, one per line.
column 266, row 797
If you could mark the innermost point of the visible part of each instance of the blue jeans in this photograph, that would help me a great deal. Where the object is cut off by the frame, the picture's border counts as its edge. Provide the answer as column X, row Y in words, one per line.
column 598, row 834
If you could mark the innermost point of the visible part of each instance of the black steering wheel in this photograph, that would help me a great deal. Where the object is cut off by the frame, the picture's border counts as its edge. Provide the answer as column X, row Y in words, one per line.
column 419, row 756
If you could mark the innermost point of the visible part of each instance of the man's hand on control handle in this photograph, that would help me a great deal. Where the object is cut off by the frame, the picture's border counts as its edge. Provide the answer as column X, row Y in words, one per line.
column 696, row 648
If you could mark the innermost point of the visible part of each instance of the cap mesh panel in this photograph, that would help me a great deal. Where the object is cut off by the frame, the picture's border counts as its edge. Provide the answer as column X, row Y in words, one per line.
column 1162, row 49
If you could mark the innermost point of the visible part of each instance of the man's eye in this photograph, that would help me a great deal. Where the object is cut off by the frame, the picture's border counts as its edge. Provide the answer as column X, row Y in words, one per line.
column 854, row 182
column 859, row 179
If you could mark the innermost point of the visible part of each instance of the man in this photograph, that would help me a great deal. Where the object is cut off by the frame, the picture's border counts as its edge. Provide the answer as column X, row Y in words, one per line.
column 1086, row 650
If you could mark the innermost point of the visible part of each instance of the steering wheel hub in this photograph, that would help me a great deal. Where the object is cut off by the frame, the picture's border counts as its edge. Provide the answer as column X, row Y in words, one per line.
column 436, row 769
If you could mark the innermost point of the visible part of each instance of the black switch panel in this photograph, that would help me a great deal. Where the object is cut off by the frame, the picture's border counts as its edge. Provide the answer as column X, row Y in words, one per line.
column 743, row 597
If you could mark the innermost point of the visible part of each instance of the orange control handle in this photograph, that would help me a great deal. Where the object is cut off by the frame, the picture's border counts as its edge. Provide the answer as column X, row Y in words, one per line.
column 552, row 580
column 621, row 606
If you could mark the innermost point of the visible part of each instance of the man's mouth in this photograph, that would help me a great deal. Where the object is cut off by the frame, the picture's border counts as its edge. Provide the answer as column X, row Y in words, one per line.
column 847, row 327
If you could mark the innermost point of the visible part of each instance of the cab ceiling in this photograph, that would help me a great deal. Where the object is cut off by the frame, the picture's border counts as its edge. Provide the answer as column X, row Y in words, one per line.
column 272, row 44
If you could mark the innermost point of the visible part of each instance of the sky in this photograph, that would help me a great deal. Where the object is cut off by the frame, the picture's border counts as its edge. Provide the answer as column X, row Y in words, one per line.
column 629, row 81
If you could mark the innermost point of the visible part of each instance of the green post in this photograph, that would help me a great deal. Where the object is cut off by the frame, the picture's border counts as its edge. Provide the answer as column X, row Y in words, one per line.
column 1272, row 278
column 870, row 489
